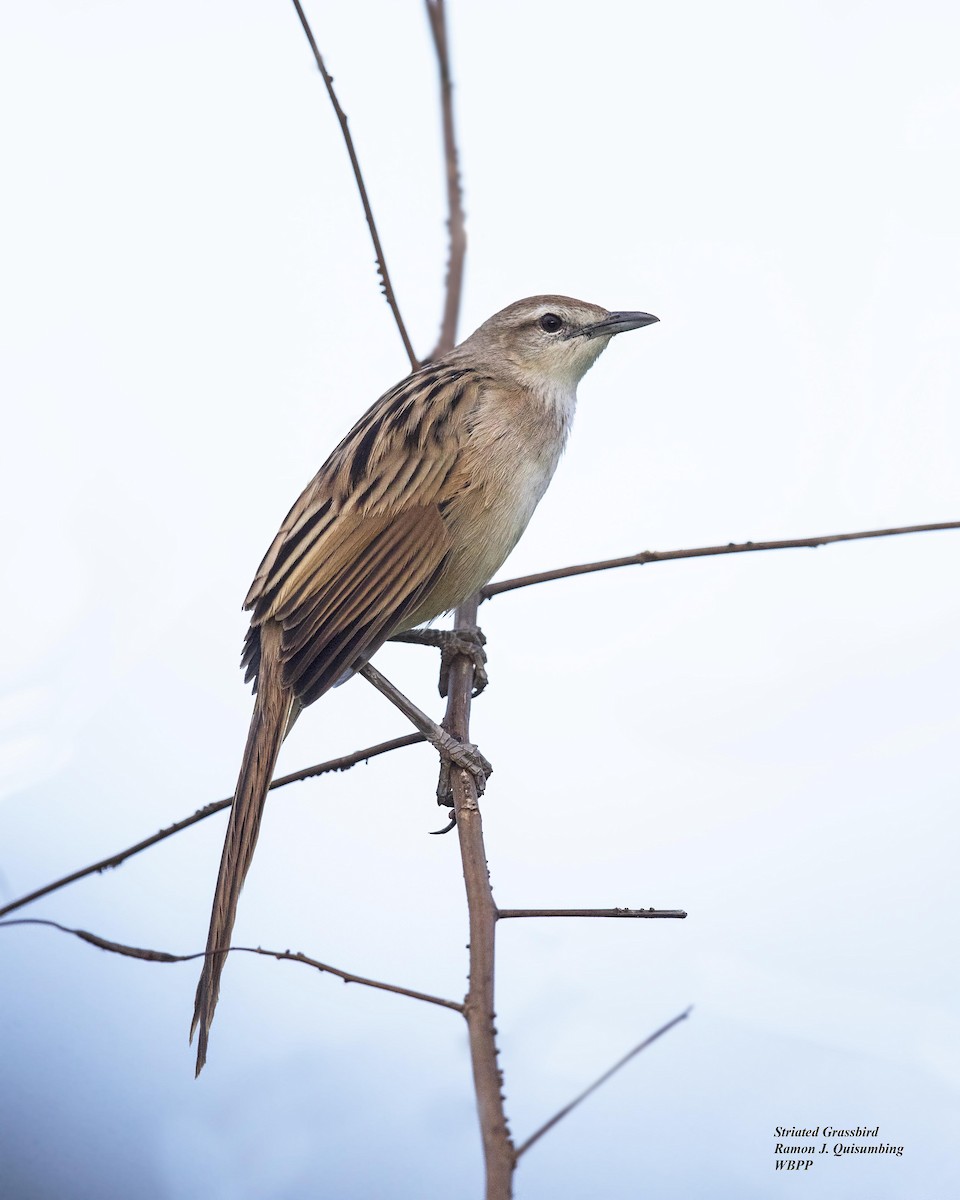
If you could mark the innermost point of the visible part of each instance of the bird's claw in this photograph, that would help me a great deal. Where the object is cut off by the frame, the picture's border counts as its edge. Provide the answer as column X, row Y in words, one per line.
column 468, row 643
column 466, row 757
column 451, row 824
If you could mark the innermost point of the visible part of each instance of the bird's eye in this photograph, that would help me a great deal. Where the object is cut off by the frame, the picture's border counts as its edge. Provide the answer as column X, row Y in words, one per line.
column 550, row 323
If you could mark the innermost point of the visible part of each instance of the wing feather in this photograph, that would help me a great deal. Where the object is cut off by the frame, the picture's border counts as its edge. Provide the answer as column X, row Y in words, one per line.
column 346, row 590
column 366, row 542
column 369, row 601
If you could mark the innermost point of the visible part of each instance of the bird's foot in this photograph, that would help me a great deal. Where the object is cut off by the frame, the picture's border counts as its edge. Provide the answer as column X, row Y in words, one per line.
column 466, row 757
column 462, row 756
column 452, row 643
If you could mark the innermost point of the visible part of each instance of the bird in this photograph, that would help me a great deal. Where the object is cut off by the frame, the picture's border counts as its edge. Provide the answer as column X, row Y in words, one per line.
column 412, row 513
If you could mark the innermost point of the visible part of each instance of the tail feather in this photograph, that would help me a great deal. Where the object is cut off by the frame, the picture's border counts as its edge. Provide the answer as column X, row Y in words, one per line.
column 272, row 717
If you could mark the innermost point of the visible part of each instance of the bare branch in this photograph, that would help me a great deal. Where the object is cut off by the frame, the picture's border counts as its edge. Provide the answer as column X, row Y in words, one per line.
column 385, row 284
column 535, row 1137
column 349, row 978
column 651, row 556
column 333, row 764
column 103, row 943
column 498, row 1154
column 498, row 1150
column 162, row 956
column 676, row 913
column 455, row 220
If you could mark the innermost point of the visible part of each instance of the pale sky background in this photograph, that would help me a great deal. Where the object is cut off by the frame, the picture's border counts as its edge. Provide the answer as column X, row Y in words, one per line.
column 190, row 321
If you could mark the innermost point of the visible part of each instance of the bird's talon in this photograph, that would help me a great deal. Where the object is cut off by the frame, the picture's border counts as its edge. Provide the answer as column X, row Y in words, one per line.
column 468, row 643
column 466, row 757
column 446, row 829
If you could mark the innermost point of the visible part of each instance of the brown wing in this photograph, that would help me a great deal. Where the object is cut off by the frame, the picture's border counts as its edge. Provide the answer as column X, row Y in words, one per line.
column 381, row 570
column 366, row 542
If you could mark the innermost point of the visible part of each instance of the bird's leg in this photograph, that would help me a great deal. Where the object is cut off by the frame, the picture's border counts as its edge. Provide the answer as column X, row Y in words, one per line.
column 453, row 752
column 451, row 643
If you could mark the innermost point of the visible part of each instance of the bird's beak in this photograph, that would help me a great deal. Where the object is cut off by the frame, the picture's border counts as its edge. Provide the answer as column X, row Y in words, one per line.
column 618, row 322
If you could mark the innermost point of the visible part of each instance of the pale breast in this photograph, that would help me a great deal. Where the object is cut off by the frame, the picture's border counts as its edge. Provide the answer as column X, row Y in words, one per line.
column 514, row 446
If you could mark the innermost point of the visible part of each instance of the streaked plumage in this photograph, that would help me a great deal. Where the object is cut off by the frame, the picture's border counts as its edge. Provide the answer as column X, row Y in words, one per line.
column 414, row 511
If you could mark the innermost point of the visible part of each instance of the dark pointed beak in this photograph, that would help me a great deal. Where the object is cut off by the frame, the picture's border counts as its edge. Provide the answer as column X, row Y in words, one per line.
column 618, row 322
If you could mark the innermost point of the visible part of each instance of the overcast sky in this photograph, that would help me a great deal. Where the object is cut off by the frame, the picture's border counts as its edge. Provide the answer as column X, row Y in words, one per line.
column 190, row 320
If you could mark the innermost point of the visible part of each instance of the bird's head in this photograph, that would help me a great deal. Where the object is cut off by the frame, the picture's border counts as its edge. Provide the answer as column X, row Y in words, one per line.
column 548, row 343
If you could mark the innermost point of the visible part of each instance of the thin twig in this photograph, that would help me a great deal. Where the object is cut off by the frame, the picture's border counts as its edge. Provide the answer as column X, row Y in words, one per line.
column 333, row 764
column 676, row 913
column 162, row 956
column 651, row 556
column 535, row 1137
column 455, row 220
column 385, row 284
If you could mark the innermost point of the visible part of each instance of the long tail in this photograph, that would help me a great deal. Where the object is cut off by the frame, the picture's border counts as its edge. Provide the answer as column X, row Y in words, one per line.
column 268, row 726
